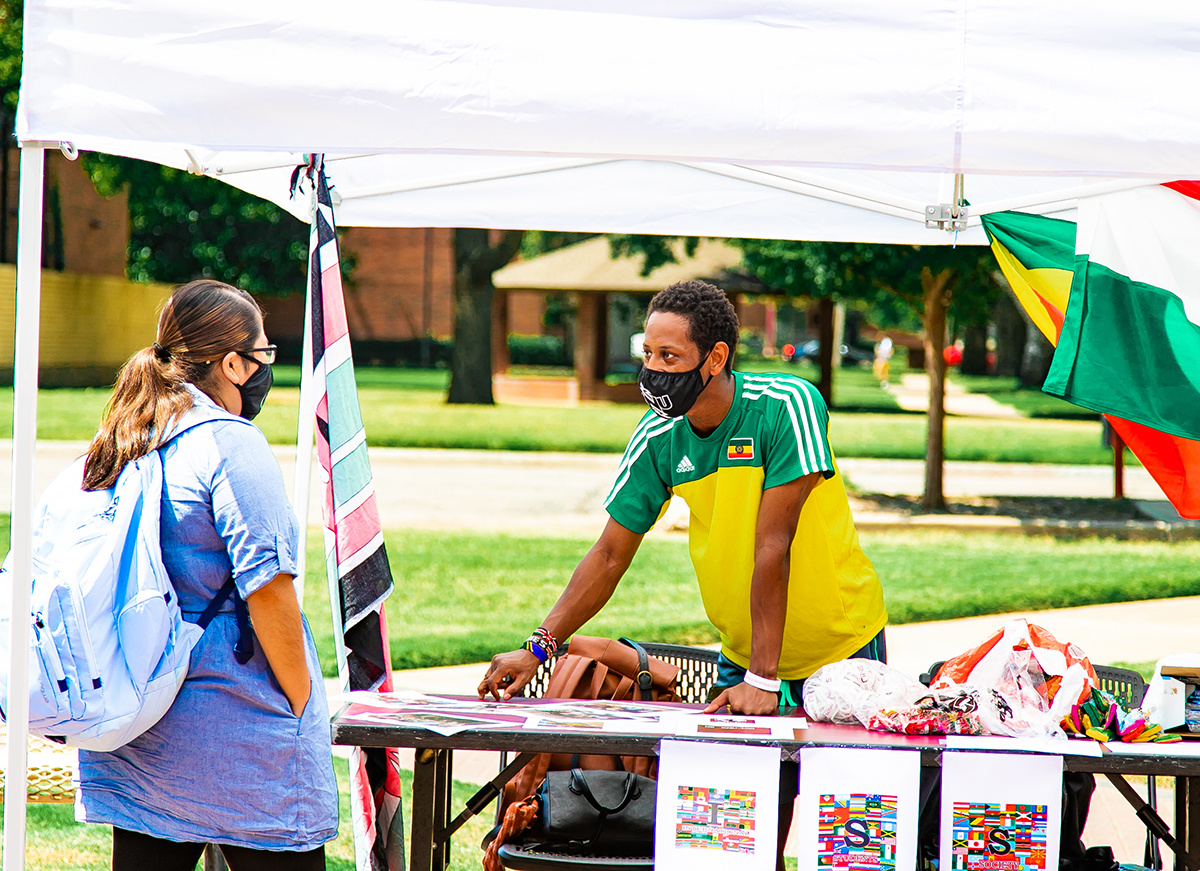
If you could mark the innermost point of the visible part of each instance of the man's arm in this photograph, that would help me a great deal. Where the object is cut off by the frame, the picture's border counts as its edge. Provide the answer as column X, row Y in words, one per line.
column 778, row 515
column 590, row 587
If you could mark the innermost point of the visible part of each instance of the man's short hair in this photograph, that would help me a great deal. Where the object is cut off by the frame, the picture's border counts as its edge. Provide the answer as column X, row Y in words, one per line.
column 709, row 314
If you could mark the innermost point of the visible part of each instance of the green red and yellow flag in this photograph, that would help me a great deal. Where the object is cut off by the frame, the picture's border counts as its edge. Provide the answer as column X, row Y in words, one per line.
column 740, row 449
column 1119, row 297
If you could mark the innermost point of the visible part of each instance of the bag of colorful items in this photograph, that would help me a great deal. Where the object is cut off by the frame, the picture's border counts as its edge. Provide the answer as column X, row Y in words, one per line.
column 1103, row 718
column 1021, row 682
column 885, row 700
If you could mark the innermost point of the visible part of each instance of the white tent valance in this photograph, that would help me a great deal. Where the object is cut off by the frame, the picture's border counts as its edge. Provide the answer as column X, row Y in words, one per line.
column 736, row 118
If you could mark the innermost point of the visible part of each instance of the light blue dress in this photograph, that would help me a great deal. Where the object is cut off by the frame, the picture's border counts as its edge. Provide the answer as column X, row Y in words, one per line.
column 229, row 763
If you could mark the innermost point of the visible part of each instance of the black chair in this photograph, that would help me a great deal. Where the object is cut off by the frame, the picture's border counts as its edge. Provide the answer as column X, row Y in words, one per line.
column 697, row 674
column 1126, row 686
column 697, row 670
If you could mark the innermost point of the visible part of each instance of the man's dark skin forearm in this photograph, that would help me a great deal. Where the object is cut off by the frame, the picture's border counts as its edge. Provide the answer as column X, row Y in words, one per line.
column 591, row 586
column 778, row 516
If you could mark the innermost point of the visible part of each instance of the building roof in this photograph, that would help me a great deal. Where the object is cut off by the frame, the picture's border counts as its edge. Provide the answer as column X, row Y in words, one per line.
column 588, row 266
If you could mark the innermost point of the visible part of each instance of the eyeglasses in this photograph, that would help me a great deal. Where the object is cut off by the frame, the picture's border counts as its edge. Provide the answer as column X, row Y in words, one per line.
column 269, row 350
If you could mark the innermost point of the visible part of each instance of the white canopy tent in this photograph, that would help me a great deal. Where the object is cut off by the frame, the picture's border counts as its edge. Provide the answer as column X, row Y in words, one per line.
column 762, row 118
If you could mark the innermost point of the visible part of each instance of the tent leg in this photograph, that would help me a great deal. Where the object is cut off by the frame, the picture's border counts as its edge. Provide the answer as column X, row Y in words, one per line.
column 25, row 380
column 305, row 424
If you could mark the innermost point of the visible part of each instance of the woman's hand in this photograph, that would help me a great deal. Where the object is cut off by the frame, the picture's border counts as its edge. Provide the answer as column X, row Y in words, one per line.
column 507, row 674
column 275, row 615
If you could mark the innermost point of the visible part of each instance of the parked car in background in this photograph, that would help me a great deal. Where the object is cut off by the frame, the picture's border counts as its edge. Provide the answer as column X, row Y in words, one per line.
column 851, row 354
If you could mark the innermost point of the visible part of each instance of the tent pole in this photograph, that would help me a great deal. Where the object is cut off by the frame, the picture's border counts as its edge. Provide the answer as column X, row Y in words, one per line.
column 304, row 437
column 25, row 382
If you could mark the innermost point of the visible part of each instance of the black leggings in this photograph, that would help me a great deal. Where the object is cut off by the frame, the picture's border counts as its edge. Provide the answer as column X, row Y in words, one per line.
column 133, row 851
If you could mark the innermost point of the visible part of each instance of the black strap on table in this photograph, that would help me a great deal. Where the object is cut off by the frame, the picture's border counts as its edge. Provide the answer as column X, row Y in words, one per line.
column 645, row 680
column 243, row 649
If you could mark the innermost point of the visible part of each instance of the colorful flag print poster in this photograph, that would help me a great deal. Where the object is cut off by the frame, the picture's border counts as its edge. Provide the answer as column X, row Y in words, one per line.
column 718, row 807
column 857, row 809
column 1000, row 812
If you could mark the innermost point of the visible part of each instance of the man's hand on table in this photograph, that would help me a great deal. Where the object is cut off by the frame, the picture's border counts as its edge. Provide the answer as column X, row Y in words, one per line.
column 507, row 674
column 746, row 700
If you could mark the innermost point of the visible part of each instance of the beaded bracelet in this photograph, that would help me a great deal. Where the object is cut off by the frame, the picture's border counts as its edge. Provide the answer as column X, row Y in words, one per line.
column 766, row 684
column 541, row 644
column 536, row 649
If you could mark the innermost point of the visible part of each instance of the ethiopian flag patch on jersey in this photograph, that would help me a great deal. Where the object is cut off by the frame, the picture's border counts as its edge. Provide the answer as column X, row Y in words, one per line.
column 741, row 449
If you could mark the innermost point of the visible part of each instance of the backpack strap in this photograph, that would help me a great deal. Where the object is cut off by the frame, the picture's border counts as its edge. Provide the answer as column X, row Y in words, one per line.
column 243, row 650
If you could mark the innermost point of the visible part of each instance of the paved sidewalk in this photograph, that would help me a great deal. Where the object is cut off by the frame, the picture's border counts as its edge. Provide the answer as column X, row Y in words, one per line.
column 912, row 394
column 509, row 491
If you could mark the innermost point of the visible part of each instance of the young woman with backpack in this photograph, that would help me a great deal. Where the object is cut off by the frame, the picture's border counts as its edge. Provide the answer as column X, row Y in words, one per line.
column 242, row 758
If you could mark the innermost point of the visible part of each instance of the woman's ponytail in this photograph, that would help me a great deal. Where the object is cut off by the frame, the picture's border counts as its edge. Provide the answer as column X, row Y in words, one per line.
column 148, row 399
column 202, row 321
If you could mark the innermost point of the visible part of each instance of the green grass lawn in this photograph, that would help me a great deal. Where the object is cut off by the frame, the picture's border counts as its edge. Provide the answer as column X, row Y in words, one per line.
column 406, row 408
column 462, row 597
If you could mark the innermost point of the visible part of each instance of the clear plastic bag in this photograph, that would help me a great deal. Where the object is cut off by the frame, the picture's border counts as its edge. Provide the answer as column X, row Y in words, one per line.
column 1022, row 660
column 852, row 690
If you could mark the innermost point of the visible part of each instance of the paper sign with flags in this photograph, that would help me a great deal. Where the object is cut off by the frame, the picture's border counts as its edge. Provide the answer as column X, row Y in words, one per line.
column 1119, row 296
column 356, row 561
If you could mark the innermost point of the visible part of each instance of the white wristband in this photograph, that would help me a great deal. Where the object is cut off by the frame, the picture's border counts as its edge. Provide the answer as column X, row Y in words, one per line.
column 766, row 684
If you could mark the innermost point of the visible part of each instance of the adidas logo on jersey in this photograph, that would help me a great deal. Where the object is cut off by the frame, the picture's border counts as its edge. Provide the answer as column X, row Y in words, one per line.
column 685, row 465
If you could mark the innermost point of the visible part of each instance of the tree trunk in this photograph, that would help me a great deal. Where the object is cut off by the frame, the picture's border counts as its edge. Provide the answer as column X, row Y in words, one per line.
column 937, row 302
column 974, row 359
column 477, row 254
column 471, row 357
column 825, row 339
column 1035, row 364
column 1010, row 336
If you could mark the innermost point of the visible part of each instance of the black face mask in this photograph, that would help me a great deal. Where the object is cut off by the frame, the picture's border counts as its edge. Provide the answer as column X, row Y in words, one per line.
column 255, row 390
column 672, row 394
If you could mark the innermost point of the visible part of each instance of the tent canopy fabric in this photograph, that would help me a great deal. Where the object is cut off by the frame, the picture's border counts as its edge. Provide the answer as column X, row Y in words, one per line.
column 755, row 118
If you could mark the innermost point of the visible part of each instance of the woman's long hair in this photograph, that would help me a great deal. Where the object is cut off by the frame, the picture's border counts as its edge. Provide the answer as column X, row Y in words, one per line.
column 201, row 323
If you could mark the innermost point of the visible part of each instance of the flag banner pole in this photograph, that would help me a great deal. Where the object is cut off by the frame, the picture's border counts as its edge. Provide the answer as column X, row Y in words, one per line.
column 355, row 558
column 302, row 488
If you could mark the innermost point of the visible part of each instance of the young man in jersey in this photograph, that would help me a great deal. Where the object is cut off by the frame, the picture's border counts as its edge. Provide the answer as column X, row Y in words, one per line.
column 781, row 573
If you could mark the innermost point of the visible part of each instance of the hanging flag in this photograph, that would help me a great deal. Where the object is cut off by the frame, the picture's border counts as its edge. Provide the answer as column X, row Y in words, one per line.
column 1038, row 257
column 1130, row 342
column 356, row 563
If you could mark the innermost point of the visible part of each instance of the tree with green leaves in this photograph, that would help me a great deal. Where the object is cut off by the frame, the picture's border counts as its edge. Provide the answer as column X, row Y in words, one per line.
column 183, row 226
column 937, row 282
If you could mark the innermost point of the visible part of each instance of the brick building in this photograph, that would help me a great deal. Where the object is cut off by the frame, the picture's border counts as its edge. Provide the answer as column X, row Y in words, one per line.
column 402, row 288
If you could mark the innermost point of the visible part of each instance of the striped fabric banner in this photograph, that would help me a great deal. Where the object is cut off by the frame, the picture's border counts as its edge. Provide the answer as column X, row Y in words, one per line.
column 355, row 559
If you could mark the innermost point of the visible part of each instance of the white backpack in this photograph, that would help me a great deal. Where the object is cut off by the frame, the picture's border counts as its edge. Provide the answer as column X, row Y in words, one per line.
column 109, row 648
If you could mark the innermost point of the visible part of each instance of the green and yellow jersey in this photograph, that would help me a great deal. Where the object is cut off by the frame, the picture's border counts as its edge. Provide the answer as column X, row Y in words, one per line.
column 776, row 431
